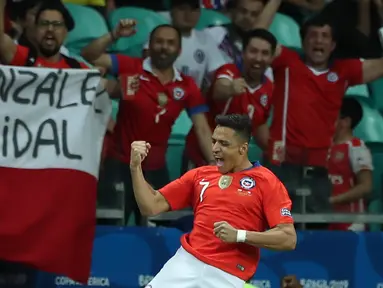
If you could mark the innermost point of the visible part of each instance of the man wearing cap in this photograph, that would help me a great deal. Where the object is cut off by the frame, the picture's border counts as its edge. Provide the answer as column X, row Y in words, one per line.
column 53, row 22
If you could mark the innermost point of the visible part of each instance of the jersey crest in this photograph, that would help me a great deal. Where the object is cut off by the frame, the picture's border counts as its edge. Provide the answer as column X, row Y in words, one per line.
column 247, row 183
column 264, row 100
column 225, row 181
column 332, row 77
column 199, row 56
column 178, row 93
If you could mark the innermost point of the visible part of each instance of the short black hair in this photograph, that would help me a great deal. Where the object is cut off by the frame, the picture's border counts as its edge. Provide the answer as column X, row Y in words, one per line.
column 352, row 109
column 241, row 124
column 179, row 35
column 60, row 7
column 318, row 21
column 262, row 34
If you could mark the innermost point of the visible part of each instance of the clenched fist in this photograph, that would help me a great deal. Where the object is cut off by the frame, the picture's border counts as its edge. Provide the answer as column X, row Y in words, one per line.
column 239, row 86
column 225, row 232
column 125, row 28
column 139, row 151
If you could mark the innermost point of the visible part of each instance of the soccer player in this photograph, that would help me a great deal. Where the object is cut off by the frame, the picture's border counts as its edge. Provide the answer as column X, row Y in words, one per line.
column 241, row 92
column 307, row 98
column 349, row 166
column 150, row 113
column 234, row 203
column 53, row 22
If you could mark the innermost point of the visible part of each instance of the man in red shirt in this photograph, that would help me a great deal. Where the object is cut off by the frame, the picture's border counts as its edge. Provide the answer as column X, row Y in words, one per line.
column 349, row 166
column 53, row 22
column 306, row 101
column 241, row 92
column 236, row 200
column 149, row 112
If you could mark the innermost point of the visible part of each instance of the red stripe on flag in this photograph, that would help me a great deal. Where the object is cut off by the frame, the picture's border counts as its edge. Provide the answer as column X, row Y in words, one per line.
column 48, row 219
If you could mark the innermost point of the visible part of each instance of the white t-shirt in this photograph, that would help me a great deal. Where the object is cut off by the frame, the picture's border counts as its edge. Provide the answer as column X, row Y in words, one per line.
column 360, row 157
column 218, row 34
column 200, row 56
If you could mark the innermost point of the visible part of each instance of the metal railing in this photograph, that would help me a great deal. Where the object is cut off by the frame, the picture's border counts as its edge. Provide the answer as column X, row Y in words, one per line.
column 363, row 218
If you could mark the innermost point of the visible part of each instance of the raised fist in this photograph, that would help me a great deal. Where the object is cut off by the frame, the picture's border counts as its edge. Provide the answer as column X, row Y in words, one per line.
column 125, row 28
column 139, row 151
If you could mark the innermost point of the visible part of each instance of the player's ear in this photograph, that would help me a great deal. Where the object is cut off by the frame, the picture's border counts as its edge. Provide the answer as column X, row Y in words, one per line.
column 243, row 149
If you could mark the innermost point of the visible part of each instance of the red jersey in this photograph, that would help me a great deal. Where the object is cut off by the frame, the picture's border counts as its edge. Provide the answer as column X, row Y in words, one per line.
column 22, row 54
column 150, row 114
column 253, row 200
column 345, row 162
column 306, row 106
column 256, row 102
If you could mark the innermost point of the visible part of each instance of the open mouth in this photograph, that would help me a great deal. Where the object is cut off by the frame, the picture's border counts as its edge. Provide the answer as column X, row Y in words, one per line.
column 49, row 40
column 219, row 161
column 318, row 51
column 256, row 66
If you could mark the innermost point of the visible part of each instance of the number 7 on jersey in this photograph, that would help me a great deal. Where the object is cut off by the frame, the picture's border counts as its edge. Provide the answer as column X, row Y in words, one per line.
column 204, row 185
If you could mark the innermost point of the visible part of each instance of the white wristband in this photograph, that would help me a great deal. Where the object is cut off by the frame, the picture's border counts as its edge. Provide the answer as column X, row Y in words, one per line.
column 241, row 236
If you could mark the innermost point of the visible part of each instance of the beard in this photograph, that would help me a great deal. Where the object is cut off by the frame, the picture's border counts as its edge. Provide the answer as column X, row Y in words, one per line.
column 163, row 63
column 49, row 52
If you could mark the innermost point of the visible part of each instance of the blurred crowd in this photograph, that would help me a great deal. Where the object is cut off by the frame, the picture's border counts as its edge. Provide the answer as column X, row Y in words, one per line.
column 302, row 122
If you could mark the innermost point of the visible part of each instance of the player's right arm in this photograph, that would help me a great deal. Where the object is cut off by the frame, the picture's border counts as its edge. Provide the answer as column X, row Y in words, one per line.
column 227, row 84
column 7, row 47
column 95, row 52
column 174, row 196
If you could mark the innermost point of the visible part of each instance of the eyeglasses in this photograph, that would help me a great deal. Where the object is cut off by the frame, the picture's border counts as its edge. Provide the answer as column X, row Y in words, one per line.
column 55, row 24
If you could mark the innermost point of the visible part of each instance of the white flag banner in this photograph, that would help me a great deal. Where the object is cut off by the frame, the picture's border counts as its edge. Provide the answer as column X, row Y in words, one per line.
column 52, row 126
column 52, row 118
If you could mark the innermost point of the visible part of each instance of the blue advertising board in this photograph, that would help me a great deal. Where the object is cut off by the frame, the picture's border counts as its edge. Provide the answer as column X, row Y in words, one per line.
column 130, row 257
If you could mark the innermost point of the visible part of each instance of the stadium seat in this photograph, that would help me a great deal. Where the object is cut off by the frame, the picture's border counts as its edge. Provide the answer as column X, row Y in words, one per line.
column 286, row 30
column 376, row 200
column 176, row 144
column 89, row 25
column 370, row 129
column 376, row 89
column 147, row 20
column 359, row 90
column 114, row 109
column 174, row 157
column 182, row 126
column 210, row 18
column 255, row 153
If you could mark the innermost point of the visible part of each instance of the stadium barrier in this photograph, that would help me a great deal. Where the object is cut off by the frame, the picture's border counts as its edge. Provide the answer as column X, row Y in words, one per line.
column 130, row 257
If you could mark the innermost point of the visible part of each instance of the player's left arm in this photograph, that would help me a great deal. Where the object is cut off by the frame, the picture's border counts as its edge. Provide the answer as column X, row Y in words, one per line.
column 361, row 163
column 196, row 108
column 276, row 206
